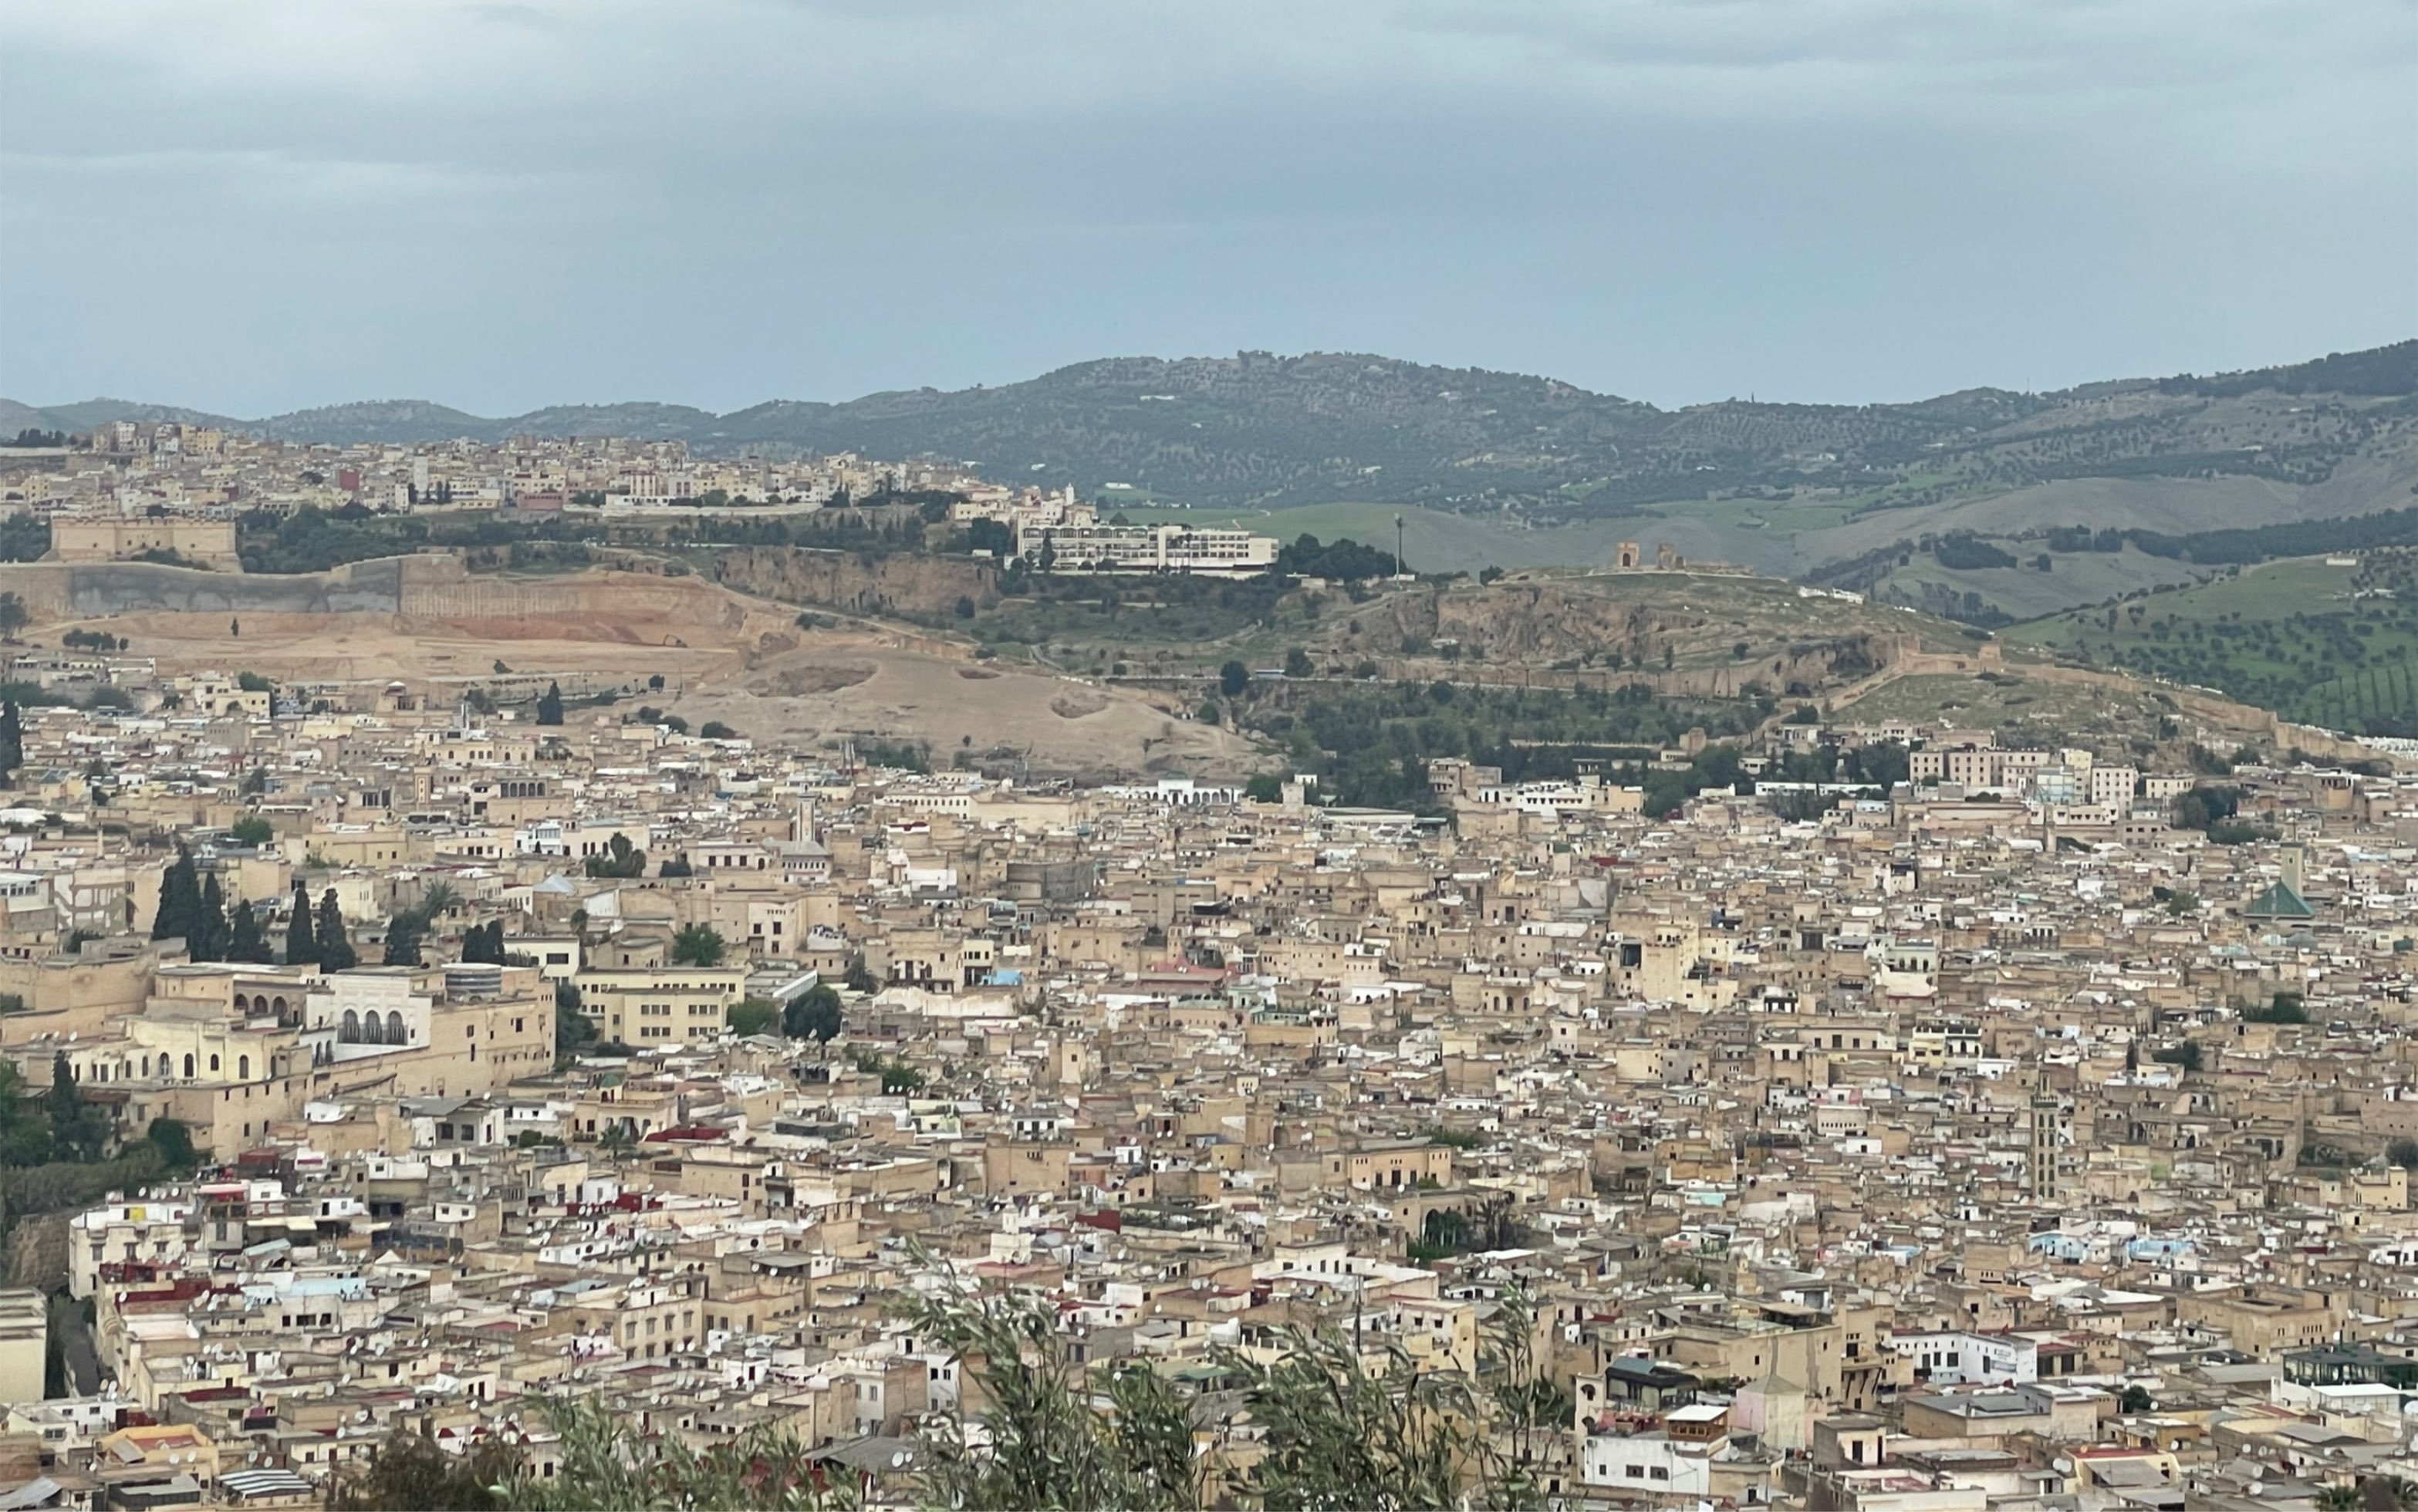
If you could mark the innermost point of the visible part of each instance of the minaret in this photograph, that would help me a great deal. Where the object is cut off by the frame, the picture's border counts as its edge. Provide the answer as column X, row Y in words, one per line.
column 2041, row 1168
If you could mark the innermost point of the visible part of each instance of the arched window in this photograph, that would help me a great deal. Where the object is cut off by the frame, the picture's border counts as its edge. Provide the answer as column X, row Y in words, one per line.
column 189, row 1067
column 242, row 1004
column 214, row 1063
column 243, row 1067
column 373, row 1030
column 146, row 1066
column 394, row 1034
column 277, row 1004
column 351, row 1031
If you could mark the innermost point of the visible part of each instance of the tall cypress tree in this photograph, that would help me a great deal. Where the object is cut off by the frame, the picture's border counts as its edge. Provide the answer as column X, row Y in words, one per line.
column 12, row 740
column 301, row 943
column 336, row 952
column 79, row 1130
column 208, row 940
column 245, row 943
column 402, row 936
column 166, row 922
column 180, row 899
column 549, row 704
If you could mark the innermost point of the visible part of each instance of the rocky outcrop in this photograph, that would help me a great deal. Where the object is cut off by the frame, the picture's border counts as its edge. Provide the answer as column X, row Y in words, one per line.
column 1523, row 628
column 911, row 585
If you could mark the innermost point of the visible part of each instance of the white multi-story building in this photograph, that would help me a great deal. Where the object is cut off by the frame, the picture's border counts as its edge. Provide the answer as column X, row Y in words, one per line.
column 1148, row 548
column 1963, row 1358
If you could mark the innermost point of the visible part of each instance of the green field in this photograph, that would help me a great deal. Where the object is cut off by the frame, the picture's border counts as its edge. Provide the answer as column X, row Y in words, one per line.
column 2324, row 645
column 1779, row 515
column 2075, row 579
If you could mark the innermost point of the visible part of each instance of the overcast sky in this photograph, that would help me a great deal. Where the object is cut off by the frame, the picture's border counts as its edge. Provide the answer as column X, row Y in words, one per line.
column 251, row 205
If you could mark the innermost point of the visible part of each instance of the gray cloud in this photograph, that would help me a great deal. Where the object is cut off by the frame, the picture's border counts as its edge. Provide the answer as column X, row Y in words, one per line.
column 501, row 205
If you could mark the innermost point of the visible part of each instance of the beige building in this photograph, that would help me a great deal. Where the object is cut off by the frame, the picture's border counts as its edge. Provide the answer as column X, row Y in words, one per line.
column 1390, row 1167
column 644, row 1006
column 123, row 538
column 22, row 1337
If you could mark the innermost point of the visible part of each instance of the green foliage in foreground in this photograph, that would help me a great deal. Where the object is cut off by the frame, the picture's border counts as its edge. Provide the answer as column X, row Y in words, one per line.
column 1054, row 1434
column 1332, row 1434
column 603, row 1469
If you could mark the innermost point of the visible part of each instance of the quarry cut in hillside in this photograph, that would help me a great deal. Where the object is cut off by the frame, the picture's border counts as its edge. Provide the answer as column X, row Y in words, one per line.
column 915, row 585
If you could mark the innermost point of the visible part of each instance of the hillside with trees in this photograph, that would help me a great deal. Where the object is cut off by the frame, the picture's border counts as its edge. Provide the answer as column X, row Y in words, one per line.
column 1258, row 429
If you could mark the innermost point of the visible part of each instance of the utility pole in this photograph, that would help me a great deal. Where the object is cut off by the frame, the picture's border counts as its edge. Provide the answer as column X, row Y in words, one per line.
column 1397, row 545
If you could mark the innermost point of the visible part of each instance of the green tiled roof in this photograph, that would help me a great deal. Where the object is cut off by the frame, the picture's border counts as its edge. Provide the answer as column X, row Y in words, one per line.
column 2280, row 902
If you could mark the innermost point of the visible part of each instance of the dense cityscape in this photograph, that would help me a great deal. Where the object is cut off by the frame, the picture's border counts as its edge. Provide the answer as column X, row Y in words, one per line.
column 1586, row 755
column 415, row 1084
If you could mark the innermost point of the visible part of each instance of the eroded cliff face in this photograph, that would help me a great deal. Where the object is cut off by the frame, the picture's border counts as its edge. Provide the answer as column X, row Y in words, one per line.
column 913, row 587
column 1539, row 622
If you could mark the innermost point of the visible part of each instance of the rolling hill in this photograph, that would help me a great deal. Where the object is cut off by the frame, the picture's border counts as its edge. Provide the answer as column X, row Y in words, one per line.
column 1782, row 487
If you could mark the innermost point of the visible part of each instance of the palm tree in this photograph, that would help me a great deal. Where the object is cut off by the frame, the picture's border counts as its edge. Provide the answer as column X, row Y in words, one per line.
column 438, row 897
column 619, row 1138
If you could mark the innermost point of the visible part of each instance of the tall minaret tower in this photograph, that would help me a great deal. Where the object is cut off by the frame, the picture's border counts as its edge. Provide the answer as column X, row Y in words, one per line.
column 2043, row 1167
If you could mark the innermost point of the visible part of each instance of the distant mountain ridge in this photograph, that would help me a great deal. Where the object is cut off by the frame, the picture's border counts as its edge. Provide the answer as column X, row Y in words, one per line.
column 1259, row 429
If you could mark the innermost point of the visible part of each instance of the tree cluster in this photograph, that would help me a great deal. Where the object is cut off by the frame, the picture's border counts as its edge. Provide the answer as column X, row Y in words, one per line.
column 697, row 944
column 1960, row 551
column 813, row 1015
column 319, row 938
column 621, row 858
column 1345, row 561
column 63, row 1127
column 193, row 908
column 404, row 934
column 484, row 943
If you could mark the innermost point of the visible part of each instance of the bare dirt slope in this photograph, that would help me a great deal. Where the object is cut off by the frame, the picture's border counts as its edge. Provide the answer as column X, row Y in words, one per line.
column 850, row 684
column 722, row 655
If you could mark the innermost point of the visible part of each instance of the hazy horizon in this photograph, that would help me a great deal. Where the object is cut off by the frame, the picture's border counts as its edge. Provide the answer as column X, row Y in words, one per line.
column 265, row 206
column 170, row 402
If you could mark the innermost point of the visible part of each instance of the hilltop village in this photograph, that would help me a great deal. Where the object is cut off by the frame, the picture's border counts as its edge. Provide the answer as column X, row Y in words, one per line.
column 171, row 494
column 1990, row 1141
